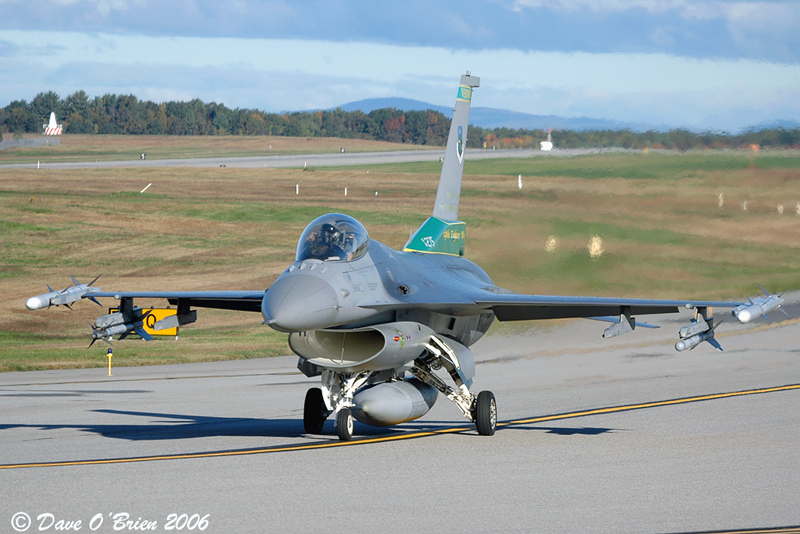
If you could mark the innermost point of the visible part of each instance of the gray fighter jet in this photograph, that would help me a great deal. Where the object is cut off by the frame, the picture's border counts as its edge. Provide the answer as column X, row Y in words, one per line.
column 388, row 330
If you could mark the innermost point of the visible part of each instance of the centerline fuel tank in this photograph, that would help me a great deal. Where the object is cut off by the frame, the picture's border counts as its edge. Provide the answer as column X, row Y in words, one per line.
column 392, row 403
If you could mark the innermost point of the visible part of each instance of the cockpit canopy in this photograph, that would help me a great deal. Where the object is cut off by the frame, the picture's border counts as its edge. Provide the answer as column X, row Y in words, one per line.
column 333, row 237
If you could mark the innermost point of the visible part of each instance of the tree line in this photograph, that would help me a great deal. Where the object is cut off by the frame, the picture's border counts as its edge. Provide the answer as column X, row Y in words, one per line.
column 126, row 114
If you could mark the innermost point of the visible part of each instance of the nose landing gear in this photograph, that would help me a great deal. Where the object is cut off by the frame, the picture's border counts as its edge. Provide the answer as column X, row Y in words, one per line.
column 485, row 413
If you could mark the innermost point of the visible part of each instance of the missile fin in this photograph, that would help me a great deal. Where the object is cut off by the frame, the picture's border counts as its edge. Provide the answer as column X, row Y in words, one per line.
column 103, row 338
column 95, row 301
column 714, row 343
column 144, row 335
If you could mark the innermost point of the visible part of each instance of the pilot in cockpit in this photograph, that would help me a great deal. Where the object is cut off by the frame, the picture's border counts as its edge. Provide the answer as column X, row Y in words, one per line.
column 327, row 243
column 333, row 237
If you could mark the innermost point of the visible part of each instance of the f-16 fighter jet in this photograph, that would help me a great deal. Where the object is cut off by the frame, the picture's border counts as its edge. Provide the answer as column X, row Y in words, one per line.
column 388, row 330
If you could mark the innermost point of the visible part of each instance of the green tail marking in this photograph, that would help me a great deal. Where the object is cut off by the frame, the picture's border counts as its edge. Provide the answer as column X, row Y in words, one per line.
column 436, row 236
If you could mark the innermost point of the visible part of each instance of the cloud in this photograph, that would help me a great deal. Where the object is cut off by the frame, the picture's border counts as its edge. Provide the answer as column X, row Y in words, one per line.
column 8, row 49
column 710, row 28
column 716, row 28
column 279, row 75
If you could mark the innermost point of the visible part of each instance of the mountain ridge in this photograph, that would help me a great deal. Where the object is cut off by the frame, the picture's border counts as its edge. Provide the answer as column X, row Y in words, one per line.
column 498, row 118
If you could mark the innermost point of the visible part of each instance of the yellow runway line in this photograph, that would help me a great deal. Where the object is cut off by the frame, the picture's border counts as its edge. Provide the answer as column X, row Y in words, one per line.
column 414, row 435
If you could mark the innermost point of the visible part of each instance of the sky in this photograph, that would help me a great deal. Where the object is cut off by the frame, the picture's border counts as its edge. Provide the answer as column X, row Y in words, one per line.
column 706, row 65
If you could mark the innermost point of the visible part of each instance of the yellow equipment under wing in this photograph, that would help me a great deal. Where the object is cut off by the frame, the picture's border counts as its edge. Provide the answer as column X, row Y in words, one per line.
column 156, row 314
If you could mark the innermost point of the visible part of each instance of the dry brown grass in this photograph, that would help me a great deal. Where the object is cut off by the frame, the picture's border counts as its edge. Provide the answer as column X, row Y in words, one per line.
column 237, row 229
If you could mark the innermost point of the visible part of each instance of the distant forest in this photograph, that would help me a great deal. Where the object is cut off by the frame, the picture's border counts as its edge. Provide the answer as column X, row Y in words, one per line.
column 126, row 114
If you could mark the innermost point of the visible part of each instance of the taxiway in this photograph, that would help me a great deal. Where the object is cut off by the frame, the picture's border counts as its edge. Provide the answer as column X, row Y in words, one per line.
column 312, row 160
column 621, row 435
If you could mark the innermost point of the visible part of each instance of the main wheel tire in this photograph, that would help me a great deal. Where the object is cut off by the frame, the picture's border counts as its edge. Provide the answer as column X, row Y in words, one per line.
column 344, row 424
column 314, row 411
column 486, row 413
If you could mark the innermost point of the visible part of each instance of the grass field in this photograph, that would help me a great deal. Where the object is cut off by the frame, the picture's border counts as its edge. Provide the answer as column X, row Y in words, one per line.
column 663, row 233
column 75, row 147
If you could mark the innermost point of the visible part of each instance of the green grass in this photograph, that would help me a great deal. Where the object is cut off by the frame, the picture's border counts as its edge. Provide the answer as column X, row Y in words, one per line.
column 592, row 167
column 657, row 214
column 27, row 352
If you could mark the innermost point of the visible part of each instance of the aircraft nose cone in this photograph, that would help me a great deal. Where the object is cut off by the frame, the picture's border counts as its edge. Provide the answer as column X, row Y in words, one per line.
column 300, row 302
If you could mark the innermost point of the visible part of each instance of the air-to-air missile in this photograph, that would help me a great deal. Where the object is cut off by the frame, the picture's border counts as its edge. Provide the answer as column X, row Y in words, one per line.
column 119, row 323
column 758, row 307
column 64, row 297
column 691, row 342
column 699, row 330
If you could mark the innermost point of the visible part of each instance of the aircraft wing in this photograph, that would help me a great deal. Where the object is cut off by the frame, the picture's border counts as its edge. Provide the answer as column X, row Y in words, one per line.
column 509, row 306
column 129, row 318
column 516, row 307
column 222, row 300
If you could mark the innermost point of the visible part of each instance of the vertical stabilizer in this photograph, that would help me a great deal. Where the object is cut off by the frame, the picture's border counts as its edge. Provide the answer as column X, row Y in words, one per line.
column 443, row 233
column 446, row 206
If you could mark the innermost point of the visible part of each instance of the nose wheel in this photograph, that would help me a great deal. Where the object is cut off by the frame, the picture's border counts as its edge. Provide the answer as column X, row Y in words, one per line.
column 485, row 413
column 344, row 424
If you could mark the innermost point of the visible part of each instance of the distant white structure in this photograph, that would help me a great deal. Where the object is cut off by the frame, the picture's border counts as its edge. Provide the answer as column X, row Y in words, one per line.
column 595, row 247
column 51, row 128
column 547, row 145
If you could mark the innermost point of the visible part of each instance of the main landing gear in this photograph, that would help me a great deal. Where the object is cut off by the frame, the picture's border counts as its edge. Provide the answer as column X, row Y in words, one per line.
column 336, row 396
column 338, row 390
column 483, row 412
column 314, row 411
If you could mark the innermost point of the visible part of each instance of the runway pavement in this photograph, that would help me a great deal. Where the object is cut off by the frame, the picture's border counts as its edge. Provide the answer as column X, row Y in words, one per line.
column 311, row 160
column 620, row 435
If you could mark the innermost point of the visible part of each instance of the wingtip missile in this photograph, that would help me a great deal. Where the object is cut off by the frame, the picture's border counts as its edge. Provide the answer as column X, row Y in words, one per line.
column 758, row 307
column 64, row 297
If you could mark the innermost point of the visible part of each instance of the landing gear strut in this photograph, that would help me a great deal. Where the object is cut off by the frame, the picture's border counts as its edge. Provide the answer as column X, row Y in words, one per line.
column 480, row 409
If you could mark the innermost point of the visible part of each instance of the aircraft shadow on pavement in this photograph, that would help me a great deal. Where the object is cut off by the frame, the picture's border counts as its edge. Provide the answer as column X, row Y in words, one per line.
column 170, row 426
column 564, row 431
